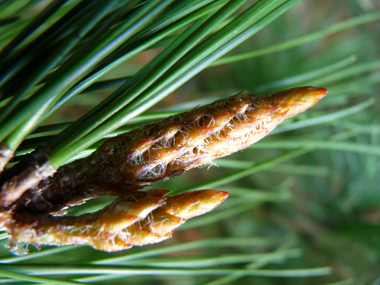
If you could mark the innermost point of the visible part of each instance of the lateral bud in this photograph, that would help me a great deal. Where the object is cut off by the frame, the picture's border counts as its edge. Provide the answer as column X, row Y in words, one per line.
column 138, row 219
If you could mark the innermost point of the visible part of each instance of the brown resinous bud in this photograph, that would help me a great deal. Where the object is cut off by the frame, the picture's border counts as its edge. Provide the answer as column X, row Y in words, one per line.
column 127, row 163
column 138, row 219
column 133, row 160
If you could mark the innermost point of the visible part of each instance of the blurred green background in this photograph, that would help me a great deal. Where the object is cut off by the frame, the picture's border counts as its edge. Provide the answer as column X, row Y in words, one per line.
column 319, row 208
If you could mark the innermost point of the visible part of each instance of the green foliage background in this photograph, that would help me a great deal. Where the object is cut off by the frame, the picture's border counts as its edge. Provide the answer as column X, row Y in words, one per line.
column 304, row 201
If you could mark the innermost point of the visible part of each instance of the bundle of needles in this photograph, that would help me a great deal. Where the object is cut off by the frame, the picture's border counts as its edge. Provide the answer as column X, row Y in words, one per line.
column 33, row 205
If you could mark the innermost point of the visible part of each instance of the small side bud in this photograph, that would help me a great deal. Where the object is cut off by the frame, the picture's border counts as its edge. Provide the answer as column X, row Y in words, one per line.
column 139, row 219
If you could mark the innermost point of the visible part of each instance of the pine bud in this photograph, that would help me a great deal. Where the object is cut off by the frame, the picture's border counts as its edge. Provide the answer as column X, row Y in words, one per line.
column 138, row 219
column 133, row 160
